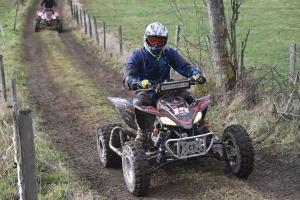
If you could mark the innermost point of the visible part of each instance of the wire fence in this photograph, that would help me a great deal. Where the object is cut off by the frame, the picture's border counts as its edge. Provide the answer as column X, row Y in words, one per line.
column 22, row 127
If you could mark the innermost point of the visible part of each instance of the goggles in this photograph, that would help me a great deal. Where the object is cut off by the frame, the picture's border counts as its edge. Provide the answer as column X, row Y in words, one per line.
column 155, row 40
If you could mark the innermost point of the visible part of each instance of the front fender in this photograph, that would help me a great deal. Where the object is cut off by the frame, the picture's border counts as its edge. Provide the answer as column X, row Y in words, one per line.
column 126, row 110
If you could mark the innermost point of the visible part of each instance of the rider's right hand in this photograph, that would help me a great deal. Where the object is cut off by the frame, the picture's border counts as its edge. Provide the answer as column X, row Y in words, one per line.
column 134, row 86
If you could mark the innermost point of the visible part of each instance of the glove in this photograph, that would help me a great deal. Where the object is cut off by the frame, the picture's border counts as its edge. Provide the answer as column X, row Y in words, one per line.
column 199, row 78
column 139, row 85
column 144, row 83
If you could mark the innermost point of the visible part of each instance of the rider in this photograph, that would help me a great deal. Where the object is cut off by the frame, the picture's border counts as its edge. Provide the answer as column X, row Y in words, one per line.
column 50, row 4
column 152, row 63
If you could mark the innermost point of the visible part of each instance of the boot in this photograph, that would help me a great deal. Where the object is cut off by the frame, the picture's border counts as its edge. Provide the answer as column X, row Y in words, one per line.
column 141, row 136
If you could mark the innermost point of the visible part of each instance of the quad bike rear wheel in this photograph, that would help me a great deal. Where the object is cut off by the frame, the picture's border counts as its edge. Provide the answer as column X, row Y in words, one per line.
column 136, row 170
column 239, row 150
column 108, row 157
column 36, row 25
column 59, row 26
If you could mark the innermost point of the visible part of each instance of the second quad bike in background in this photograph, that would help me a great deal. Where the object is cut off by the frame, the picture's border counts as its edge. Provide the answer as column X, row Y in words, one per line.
column 48, row 18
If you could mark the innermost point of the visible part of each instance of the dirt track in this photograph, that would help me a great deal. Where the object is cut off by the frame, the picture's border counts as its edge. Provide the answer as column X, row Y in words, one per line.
column 270, row 178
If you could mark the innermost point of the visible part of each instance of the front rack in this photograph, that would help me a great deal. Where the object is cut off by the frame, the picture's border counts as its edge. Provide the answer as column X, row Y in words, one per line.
column 189, row 147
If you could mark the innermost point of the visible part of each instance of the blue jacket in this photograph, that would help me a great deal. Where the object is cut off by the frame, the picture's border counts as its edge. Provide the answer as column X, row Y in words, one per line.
column 156, row 70
column 48, row 3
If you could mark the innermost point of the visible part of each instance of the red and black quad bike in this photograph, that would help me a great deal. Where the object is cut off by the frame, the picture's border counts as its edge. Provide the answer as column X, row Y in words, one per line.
column 48, row 18
column 176, row 131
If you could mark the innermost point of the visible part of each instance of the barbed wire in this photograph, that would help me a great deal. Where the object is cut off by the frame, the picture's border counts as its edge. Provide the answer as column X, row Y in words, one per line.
column 16, row 164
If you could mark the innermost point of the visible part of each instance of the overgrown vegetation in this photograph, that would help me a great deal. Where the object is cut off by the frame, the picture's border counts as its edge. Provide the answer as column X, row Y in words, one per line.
column 55, row 179
column 250, row 105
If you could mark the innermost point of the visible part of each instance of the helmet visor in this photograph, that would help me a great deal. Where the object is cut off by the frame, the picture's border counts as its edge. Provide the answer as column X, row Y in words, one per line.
column 156, row 40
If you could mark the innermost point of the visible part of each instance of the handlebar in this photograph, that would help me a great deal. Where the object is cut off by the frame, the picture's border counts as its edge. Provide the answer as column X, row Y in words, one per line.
column 168, row 86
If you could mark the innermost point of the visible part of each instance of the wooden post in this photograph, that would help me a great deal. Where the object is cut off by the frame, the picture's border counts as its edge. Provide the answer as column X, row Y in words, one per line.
column 74, row 12
column 15, row 21
column 14, row 101
column 90, row 25
column 293, row 51
column 28, row 155
column 96, row 30
column 2, row 33
column 104, row 37
column 77, row 15
column 121, row 41
column 3, row 78
column 80, row 14
column 177, row 37
column 71, row 5
column 85, row 26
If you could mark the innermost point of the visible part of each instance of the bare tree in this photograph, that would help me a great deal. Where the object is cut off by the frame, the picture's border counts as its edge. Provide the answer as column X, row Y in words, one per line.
column 224, row 73
column 225, row 64
column 194, row 49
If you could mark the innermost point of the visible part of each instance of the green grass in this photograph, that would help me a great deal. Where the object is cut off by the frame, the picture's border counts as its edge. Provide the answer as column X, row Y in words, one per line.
column 274, row 24
column 55, row 179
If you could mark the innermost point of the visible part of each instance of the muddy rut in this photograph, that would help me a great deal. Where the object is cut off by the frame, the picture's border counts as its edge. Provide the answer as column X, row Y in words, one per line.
column 271, row 178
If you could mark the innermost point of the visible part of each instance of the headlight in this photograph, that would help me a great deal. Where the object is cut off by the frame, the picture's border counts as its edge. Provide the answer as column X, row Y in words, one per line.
column 198, row 117
column 54, row 17
column 167, row 121
column 42, row 17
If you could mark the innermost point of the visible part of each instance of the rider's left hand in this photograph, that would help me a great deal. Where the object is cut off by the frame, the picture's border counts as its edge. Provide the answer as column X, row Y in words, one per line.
column 199, row 78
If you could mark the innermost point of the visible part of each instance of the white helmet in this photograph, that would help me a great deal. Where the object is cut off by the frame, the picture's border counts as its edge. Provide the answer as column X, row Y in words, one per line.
column 155, row 38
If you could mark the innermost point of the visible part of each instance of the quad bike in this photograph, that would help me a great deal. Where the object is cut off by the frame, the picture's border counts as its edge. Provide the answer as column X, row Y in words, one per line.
column 48, row 18
column 176, row 131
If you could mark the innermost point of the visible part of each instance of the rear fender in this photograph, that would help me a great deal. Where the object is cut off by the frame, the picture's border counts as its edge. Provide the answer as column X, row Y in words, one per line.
column 126, row 110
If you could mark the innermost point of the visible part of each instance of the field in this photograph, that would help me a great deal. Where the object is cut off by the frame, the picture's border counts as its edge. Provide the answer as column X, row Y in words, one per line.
column 65, row 82
column 274, row 24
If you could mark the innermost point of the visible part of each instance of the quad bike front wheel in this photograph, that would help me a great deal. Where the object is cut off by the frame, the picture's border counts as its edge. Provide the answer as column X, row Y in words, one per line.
column 239, row 151
column 107, row 156
column 136, row 170
column 59, row 26
column 36, row 25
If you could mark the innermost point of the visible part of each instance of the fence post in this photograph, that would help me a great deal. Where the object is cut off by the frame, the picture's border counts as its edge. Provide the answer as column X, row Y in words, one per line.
column 17, row 5
column 14, row 101
column 293, row 51
column 177, row 37
column 77, row 15
column 2, row 33
column 71, row 5
column 80, row 14
column 3, row 78
column 15, row 20
column 28, row 155
column 121, row 41
column 84, row 19
column 90, row 25
column 74, row 12
column 104, row 37
column 96, row 30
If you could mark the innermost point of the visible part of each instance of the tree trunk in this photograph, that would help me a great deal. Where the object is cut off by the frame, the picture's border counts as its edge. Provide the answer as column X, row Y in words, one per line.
column 224, row 73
